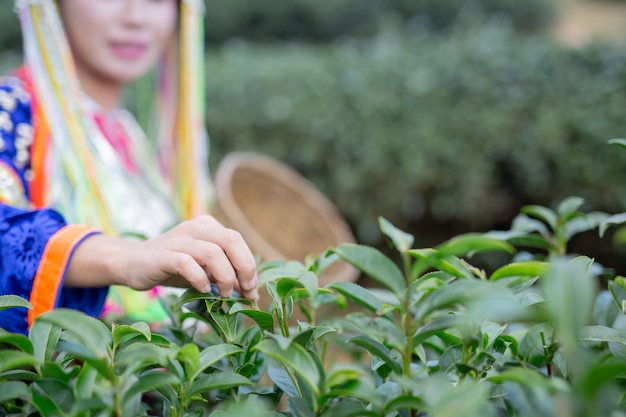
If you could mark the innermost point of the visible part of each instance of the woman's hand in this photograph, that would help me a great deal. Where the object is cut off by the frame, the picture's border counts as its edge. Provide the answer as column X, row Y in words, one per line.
column 195, row 253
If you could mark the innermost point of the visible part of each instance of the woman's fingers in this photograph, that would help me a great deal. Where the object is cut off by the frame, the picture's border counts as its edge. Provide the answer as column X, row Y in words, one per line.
column 177, row 264
column 236, row 251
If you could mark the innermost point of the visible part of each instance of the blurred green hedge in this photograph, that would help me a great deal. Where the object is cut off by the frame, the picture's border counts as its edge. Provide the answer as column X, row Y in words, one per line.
column 428, row 131
column 323, row 20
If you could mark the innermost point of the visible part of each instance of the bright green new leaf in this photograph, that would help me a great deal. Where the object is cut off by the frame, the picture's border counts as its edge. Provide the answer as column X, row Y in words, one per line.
column 12, row 301
column 375, row 264
column 618, row 142
column 284, row 286
column 618, row 291
column 470, row 243
column 613, row 220
column 90, row 332
column 193, row 295
column 542, row 213
column 569, row 206
column 404, row 402
column 525, row 268
column 401, row 240
column 217, row 380
column 189, row 355
column 122, row 333
column 295, row 358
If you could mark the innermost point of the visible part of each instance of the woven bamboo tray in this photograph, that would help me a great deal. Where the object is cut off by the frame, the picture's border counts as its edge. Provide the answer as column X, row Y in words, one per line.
column 280, row 214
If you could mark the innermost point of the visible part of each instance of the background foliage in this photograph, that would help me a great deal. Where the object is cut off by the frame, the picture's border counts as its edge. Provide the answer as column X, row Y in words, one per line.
column 443, row 115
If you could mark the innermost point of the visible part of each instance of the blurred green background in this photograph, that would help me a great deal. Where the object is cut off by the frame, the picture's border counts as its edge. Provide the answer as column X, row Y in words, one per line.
column 444, row 116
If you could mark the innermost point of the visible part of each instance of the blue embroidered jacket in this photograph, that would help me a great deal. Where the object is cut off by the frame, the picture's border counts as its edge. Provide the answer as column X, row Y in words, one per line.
column 25, row 233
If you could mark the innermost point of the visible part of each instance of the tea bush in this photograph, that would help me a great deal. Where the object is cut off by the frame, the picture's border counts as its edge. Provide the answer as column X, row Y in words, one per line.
column 429, row 130
column 439, row 337
column 325, row 20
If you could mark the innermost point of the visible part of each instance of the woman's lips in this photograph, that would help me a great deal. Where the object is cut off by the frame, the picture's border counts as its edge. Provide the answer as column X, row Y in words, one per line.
column 128, row 50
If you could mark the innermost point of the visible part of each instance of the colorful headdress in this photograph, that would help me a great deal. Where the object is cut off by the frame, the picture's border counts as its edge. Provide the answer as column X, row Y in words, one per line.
column 76, row 158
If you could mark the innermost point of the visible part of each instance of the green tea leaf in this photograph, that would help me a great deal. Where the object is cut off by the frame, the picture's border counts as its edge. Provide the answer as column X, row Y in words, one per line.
column 218, row 380
column 613, row 220
column 150, row 381
column 295, row 357
column 18, row 340
column 349, row 408
column 214, row 354
column 404, row 402
column 379, row 350
column 264, row 320
column 618, row 291
column 14, row 359
column 542, row 213
column 434, row 327
column 602, row 334
column 189, row 355
column 90, row 332
column 284, row 286
column 569, row 206
column 618, row 142
column 45, row 337
column 360, row 295
column 401, row 240
column 123, row 332
column 470, row 244
column 525, row 268
column 375, row 264
column 12, row 301
column 12, row 390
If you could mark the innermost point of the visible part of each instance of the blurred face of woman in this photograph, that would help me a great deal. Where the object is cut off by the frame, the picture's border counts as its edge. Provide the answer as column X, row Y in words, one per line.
column 117, row 41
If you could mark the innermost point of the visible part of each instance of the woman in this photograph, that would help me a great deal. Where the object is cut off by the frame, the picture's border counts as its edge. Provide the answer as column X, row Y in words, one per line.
column 77, row 174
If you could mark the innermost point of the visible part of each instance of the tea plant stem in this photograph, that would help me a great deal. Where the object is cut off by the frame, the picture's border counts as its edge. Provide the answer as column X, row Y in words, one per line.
column 284, row 325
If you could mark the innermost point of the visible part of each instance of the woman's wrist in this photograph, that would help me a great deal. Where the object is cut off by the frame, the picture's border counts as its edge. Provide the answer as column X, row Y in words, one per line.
column 98, row 262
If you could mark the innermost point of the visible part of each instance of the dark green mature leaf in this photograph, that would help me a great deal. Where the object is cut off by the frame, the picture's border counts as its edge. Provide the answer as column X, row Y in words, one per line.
column 45, row 337
column 375, row 264
column 435, row 327
column 360, row 295
column 379, row 350
column 213, row 354
column 295, row 357
column 299, row 408
column 90, row 332
column 78, row 351
column 401, row 240
column 11, row 390
column 193, row 295
column 570, row 293
column 42, row 401
column 150, row 381
column 525, row 268
column 602, row 334
column 542, row 213
column 140, row 355
column 404, row 402
column 218, row 380
column 264, row 320
column 13, row 359
column 349, row 408
column 618, row 291
column 13, row 301
column 18, row 340
column 55, row 391
column 86, row 381
column 599, row 374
